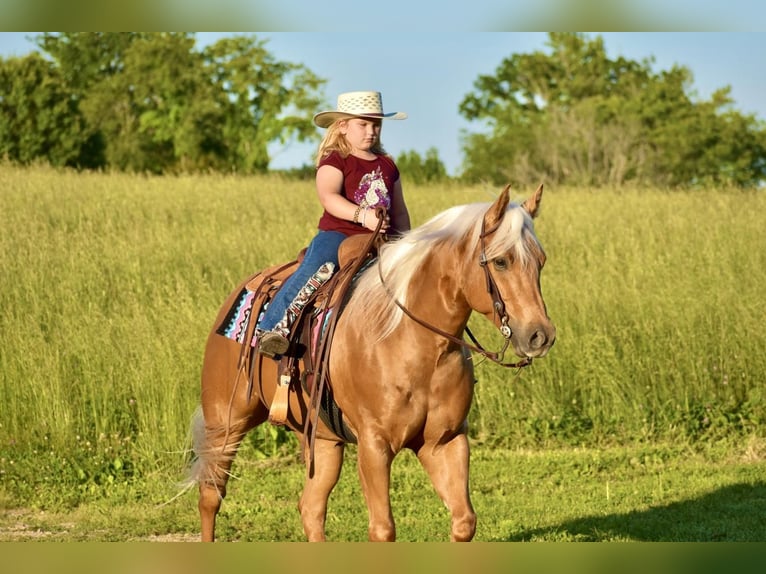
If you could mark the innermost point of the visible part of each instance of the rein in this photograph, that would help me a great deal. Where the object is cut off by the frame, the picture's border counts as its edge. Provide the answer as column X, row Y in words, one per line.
column 497, row 304
column 321, row 356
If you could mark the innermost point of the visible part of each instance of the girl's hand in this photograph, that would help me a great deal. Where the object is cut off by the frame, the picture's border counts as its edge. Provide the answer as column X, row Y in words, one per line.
column 370, row 220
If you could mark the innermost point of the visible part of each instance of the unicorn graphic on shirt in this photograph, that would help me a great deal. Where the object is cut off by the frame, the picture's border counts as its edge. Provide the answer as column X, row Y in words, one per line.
column 372, row 191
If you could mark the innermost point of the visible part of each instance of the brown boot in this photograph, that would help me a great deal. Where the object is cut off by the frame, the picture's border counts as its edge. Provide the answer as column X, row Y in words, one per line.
column 272, row 343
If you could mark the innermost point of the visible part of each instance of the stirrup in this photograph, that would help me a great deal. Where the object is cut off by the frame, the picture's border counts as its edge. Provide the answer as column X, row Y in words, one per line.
column 280, row 403
column 272, row 344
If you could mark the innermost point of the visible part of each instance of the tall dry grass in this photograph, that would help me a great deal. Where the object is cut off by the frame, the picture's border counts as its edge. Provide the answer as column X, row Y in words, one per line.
column 110, row 283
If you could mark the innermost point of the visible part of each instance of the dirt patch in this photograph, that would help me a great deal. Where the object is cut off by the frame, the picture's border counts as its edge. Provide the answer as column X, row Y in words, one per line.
column 171, row 538
column 20, row 525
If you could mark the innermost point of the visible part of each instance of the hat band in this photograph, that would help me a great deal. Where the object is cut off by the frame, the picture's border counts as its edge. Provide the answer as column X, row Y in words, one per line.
column 354, row 113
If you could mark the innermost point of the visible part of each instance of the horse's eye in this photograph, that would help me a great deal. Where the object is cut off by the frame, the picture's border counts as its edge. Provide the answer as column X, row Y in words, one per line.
column 500, row 263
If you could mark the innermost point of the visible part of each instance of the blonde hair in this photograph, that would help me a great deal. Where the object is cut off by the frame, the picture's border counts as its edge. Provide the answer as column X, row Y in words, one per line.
column 334, row 140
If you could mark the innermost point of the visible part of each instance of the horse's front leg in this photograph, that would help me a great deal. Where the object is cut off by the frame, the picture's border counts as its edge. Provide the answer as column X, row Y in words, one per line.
column 374, row 461
column 447, row 465
column 328, row 460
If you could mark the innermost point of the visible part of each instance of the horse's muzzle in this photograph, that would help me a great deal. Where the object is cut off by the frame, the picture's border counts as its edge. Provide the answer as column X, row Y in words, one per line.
column 537, row 342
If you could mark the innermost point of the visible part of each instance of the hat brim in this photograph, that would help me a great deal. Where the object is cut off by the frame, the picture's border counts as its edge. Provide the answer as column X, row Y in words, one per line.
column 325, row 119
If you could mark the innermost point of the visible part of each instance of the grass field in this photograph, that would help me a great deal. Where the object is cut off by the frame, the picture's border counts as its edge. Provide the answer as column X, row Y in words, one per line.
column 110, row 283
column 614, row 494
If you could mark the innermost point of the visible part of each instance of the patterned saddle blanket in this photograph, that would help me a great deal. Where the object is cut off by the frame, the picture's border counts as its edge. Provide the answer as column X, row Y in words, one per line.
column 310, row 322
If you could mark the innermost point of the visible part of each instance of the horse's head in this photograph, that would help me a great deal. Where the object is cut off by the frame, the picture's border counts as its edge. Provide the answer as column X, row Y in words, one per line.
column 505, row 286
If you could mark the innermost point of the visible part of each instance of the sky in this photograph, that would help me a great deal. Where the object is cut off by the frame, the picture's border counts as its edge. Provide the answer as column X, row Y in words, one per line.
column 427, row 74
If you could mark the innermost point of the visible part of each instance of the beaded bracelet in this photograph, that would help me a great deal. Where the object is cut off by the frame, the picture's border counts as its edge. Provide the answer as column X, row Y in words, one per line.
column 356, row 213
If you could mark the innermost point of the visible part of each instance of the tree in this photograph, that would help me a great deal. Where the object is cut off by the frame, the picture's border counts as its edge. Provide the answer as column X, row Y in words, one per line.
column 418, row 169
column 154, row 113
column 87, row 58
column 153, row 102
column 265, row 101
column 88, row 61
column 573, row 115
column 38, row 115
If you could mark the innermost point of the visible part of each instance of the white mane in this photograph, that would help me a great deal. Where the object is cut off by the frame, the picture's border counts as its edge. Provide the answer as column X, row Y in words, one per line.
column 399, row 261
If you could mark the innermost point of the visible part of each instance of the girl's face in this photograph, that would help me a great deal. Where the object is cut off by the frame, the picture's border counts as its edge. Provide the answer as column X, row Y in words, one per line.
column 361, row 133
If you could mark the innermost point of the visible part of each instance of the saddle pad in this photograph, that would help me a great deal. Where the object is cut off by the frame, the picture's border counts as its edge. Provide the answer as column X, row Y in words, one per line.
column 234, row 324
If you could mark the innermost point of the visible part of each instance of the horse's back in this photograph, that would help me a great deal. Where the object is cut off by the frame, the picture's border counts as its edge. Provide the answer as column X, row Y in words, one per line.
column 228, row 377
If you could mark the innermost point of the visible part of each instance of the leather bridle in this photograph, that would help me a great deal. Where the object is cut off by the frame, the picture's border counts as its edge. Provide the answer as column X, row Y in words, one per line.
column 497, row 299
column 497, row 304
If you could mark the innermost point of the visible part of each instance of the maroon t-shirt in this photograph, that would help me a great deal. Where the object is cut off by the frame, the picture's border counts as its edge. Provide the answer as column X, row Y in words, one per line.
column 369, row 183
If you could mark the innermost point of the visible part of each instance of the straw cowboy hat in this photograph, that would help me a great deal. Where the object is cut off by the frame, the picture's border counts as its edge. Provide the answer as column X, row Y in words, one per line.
column 357, row 105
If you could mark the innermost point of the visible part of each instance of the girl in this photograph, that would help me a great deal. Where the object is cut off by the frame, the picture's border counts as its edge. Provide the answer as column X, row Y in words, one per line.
column 354, row 176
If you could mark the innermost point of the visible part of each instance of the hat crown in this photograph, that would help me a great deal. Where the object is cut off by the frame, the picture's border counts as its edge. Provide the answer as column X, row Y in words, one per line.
column 360, row 103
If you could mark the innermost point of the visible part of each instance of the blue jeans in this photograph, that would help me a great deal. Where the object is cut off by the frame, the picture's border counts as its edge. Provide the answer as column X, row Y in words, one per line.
column 323, row 248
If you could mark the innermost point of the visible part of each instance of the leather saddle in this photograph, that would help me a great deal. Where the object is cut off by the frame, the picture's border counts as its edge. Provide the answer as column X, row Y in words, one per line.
column 311, row 333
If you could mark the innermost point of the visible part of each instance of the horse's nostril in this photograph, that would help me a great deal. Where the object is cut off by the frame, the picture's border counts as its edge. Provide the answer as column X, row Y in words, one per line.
column 538, row 339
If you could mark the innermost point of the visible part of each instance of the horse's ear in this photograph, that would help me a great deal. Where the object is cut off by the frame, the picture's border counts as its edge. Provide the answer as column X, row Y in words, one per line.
column 497, row 211
column 532, row 204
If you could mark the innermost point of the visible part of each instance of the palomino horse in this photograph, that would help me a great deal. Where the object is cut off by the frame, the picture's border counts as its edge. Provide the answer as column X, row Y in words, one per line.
column 398, row 367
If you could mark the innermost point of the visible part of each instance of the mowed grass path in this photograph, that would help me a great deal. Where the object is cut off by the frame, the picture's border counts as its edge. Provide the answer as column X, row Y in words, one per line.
column 660, row 494
column 110, row 283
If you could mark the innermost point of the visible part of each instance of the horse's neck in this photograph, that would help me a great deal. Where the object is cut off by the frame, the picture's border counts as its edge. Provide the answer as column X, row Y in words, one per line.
column 436, row 296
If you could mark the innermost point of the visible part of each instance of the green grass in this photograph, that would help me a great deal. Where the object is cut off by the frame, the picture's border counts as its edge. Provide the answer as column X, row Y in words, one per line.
column 110, row 283
column 649, row 493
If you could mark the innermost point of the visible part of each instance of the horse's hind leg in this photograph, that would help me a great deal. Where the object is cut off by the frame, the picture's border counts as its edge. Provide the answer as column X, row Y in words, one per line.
column 328, row 460
column 216, row 444
column 447, row 465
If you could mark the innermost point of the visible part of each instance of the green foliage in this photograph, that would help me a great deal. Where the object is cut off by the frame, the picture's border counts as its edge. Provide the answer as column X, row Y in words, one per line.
column 418, row 170
column 88, row 58
column 574, row 116
column 85, row 470
column 270, row 441
column 265, row 100
column 152, row 102
column 38, row 116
